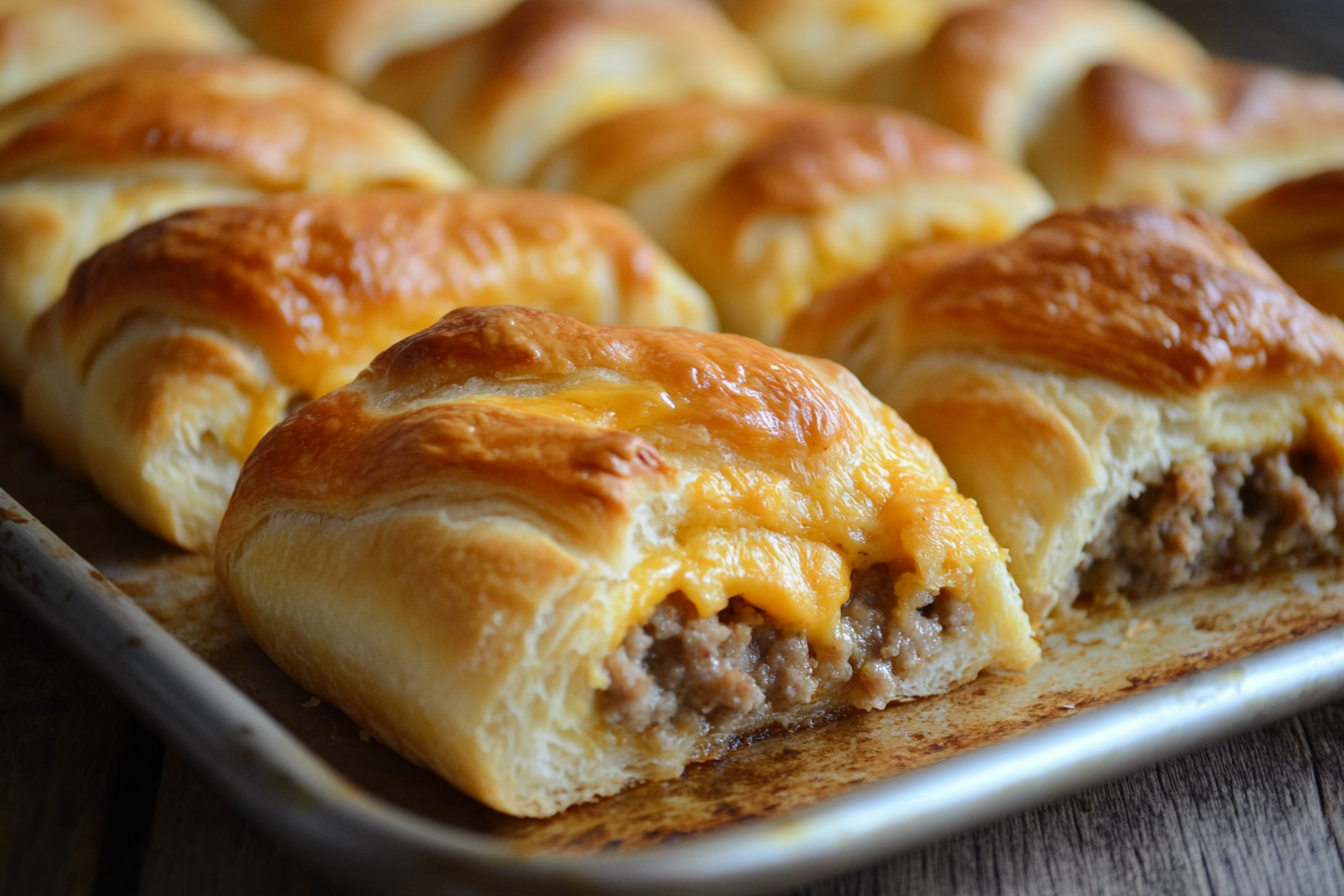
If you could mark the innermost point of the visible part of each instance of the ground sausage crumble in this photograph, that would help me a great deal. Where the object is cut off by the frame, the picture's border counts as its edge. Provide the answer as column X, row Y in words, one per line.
column 1217, row 519
column 679, row 674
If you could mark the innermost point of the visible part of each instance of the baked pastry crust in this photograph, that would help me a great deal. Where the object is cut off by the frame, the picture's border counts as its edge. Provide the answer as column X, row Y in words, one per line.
column 97, row 154
column 500, row 97
column 178, row 346
column 49, row 39
column 353, row 39
column 996, row 73
column 1061, row 374
column 454, row 546
column 1298, row 227
column 822, row 46
column 768, row 203
column 1220, row 135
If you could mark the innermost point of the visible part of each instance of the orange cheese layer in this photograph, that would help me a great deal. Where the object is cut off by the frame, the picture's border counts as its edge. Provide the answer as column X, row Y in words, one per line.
column 784, row 542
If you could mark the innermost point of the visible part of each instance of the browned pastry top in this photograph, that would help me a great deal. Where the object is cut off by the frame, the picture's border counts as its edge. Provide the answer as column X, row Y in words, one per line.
column 1301, row 214
column 317, row 281
column 1163, row 301
column 351, row 39
column 1167, row 301
column 271, row 124
column 799, row 155
column 992, row 72
column 1232, row 104
column 538, row 40
column 47, row 39
column 584, row 414
column 754, row 398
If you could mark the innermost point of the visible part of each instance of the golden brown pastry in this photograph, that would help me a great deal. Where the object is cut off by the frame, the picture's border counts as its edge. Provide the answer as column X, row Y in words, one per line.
column 502, row 96
column 1211, row 140
column 97, row 154
column 179, row 345
column 353, row 39
column 996, row 73
column 547, row 560
column 821, row 46
column 1133, row 398
column 765, row 204
column 48, row 39
column 1298, row 227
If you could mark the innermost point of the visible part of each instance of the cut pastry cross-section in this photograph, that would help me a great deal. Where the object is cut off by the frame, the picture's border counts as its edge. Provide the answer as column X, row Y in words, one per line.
column 766, row 204
column 179, row 345
column 547, row 560
column 95, row 155
column 1133, row 398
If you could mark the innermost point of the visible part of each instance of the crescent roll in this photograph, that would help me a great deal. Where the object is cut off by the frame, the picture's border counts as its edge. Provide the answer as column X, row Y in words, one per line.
column 766, row 204
column 95, row 155
column 821, row 46
column 353, row 39
column 48, row 39
column 1133, row 398
column 502, row 96
column 547, row 560
column 1298, row 227
column 176, row 347
column 996, row 73
column 1210, row 140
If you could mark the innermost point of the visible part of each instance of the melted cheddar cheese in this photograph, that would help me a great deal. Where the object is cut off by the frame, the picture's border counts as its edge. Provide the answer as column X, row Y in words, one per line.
column 782, row 538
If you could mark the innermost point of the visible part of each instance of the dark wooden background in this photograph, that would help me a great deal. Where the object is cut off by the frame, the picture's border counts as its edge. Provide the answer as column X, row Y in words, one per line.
column 93, row 804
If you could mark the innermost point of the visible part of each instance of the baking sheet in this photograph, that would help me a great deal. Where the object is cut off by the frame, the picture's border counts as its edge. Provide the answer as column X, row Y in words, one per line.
column 1110, row 696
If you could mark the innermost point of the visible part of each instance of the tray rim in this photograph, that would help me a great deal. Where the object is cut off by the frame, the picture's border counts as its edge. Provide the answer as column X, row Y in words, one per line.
column 298, row 799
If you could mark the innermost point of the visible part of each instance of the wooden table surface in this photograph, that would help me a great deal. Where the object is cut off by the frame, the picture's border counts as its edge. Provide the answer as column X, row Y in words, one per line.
column 92, row 803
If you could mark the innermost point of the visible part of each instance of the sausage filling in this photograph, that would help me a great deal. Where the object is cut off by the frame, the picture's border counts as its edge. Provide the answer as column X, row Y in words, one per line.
column 1218, row 519
column 679, row 674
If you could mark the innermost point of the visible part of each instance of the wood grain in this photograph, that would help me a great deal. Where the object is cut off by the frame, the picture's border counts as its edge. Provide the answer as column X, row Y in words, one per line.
column 202, row 846
column 1260, row 813
column 63, row 736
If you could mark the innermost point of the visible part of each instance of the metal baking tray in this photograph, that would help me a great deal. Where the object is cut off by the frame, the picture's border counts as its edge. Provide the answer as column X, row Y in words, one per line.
column 1117, row 693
